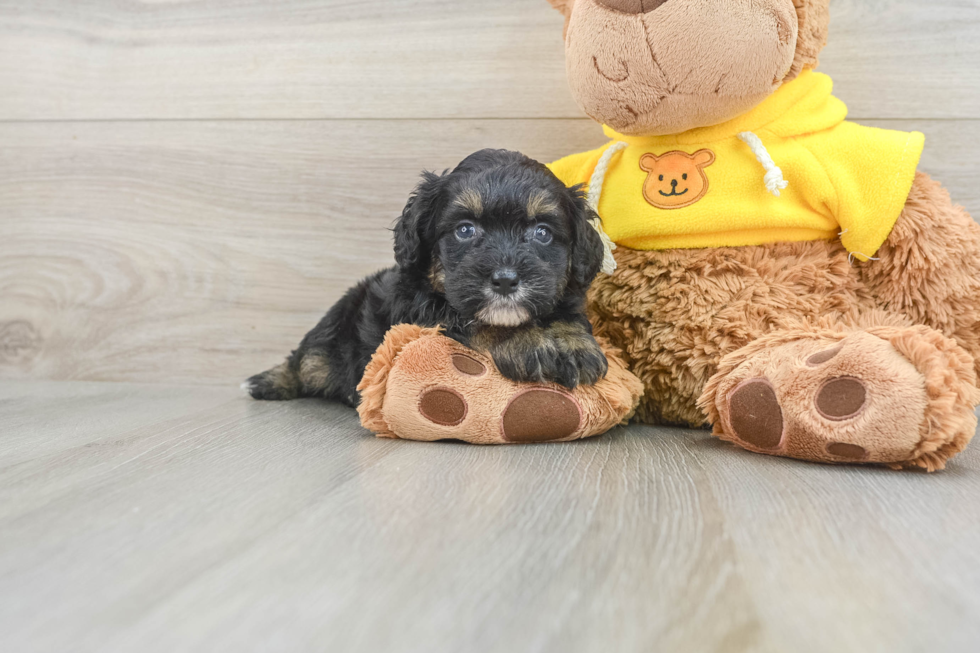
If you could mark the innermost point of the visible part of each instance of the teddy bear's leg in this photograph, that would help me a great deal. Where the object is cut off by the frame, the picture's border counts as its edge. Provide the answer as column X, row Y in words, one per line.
column 901, row 396
column 929, row 268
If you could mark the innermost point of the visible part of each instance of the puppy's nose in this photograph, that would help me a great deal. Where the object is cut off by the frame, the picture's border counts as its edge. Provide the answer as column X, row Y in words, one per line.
column 504, row 281
column 632, row 6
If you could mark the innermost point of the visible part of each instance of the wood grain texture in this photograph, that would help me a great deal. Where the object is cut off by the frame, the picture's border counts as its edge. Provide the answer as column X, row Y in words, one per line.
column 227, row 524
column 186, row 186
column 106, row 59
column 203, row 252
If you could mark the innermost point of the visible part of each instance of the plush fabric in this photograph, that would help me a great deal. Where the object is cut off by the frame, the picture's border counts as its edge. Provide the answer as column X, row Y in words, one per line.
column 896, row 395
column 677, row 314
column 685, row 64
column 813, row 21
column 860, row 347
column 842, row 177
column 421, row 385
column 929, row 268
column 616, row 87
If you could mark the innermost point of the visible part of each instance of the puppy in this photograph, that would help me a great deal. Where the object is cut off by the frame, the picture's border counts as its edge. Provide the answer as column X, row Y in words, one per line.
column 498, row 252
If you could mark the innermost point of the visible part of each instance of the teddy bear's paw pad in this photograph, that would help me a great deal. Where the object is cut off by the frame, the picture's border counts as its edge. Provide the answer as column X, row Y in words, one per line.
column 841, row 398
column 847, row 451
column 443, row 406
column 468, row 365
column 541, row 415
column 824, row 356
column 847, row 399
column 755, row 414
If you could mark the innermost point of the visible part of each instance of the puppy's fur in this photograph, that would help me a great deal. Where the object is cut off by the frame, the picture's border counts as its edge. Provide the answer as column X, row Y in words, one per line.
column 498, row 213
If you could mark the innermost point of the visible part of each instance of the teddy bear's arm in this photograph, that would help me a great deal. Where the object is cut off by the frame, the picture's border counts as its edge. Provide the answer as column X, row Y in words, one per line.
column 929, row 267
column 871, row 172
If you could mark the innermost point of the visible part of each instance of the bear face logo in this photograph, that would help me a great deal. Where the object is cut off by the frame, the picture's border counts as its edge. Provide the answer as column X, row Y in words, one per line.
column 676, row 178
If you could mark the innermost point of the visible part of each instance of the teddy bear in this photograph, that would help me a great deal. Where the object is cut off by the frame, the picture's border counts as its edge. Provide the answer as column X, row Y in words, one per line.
column 776, row 272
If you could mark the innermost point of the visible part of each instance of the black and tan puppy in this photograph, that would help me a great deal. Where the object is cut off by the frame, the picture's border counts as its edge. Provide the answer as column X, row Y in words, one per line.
column 499, row 252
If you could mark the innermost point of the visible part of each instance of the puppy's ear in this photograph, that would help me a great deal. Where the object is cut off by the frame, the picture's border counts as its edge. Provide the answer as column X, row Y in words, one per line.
column 587, row 250
column 413, row 229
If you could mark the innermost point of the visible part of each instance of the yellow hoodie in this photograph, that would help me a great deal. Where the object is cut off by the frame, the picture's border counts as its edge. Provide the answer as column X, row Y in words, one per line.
column 719, row 186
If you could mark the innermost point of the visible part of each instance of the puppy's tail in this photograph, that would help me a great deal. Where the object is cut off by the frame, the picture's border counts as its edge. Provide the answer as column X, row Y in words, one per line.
column 278, row 384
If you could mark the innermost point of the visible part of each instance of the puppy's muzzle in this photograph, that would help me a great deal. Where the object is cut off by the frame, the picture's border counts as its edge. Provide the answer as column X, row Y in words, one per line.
column 504, row 300
column 504, row 281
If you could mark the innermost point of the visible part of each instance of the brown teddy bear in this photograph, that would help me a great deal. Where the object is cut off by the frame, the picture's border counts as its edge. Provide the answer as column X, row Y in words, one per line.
column 822, row 299
column 781, row 274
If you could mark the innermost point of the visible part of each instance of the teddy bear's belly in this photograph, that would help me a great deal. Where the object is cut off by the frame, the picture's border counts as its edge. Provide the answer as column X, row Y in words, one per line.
column 676, row 313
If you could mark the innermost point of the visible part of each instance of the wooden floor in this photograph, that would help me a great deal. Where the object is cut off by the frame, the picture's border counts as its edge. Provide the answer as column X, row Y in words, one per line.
column 186, row 186
column 169, row 518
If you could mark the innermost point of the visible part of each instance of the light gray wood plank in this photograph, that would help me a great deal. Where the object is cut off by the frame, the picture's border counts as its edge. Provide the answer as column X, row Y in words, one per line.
column 31, row 430
column 244, row 467
column 101, row 59
column 905, row 58
column 850, row 529
column 570, row 548
column 203, row 252
column 259, row 527
column 289, row 59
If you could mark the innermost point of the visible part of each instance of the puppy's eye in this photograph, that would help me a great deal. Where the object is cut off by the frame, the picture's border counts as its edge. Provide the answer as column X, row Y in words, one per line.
column 465, row 230
column 542, row 234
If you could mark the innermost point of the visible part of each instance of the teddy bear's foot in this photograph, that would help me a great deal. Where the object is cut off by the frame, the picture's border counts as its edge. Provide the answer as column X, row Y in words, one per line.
column 898, row 396
column 421, row 385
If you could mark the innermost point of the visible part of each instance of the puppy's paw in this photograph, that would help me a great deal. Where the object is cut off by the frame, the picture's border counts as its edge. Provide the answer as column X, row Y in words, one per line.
column 589, row 363
column 568, row 359
column 571, row 362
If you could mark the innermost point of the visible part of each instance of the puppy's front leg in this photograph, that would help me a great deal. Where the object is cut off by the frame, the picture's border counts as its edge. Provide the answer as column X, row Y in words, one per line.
column 562, row 352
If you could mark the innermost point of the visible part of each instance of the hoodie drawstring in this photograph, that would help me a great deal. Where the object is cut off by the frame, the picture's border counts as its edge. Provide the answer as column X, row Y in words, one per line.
column 774, row 176
column 774, row 183
column 595, row 193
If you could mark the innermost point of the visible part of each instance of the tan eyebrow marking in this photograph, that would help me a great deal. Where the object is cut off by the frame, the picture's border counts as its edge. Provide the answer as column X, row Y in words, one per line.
column 469, row 198
column 540, row 202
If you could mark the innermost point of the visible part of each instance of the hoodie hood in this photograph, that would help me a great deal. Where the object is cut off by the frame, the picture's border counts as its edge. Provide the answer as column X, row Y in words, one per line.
column 802, row 106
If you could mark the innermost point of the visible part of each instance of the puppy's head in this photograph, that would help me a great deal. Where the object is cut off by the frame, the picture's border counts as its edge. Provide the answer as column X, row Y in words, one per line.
column 501, row 237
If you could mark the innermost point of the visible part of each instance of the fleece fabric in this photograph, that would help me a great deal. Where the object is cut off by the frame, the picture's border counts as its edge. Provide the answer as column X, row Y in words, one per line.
column 705, row 187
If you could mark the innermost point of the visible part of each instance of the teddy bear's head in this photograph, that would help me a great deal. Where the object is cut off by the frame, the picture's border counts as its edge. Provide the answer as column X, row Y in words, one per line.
column 656, row 67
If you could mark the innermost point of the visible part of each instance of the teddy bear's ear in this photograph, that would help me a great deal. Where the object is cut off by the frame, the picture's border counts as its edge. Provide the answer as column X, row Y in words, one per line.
column 814, row 20
column 565, row 7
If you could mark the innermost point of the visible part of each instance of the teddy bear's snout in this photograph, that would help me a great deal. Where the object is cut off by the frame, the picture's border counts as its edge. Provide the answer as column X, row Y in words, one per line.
column 632, row 6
